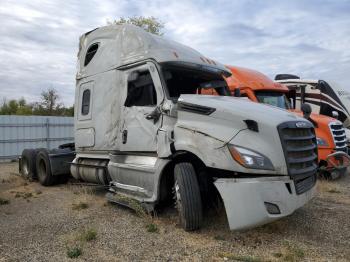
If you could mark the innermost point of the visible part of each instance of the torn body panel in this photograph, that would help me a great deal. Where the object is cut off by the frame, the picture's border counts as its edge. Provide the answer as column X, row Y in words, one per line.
column 250, row 202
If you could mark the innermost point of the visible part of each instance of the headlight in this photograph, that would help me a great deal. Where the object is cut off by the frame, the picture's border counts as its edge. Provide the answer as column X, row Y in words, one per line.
column 321, row 142
column 249, row 158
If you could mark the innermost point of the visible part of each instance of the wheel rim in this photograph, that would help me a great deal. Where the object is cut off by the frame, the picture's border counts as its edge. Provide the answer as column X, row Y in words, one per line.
column 25, row 167
column 42, row 170
column 178, row 197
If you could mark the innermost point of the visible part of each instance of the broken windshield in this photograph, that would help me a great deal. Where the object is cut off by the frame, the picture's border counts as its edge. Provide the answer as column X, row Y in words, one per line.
column 273, row 98
column 186, row 78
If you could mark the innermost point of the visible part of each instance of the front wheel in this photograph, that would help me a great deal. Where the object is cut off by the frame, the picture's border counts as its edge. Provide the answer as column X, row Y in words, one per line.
column 188, row 198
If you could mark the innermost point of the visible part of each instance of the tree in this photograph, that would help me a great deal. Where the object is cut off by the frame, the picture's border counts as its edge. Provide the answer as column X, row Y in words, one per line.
column 149, row 24
column 14, row 107
column 49, row 101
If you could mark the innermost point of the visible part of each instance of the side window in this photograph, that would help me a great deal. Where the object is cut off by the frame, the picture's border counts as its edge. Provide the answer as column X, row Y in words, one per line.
column 85, row 103
column 90, row 53
column 141, row 91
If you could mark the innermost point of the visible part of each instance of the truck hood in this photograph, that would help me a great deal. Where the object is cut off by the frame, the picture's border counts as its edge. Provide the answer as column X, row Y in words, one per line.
column 222, row 117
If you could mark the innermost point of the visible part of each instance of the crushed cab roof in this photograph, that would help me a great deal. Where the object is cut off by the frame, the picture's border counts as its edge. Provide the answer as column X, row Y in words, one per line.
column 120, row 45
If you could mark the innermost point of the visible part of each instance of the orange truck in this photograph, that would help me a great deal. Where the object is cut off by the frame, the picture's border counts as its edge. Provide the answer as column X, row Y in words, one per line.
column 332, row 151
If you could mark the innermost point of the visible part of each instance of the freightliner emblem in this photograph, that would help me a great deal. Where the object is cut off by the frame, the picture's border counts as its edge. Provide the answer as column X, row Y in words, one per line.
column 300, row 124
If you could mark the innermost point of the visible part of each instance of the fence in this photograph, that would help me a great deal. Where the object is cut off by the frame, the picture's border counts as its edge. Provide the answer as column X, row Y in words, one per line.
column 20, row 132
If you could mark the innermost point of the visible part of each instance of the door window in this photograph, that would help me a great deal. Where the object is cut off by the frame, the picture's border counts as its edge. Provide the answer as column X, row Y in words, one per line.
column 85, row 105
column 141, row 91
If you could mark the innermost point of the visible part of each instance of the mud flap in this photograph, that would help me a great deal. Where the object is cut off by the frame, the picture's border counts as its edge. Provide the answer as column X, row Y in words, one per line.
column 246, row 200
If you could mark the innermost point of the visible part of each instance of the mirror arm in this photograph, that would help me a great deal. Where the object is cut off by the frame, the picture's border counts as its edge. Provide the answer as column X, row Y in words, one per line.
column 155, row 115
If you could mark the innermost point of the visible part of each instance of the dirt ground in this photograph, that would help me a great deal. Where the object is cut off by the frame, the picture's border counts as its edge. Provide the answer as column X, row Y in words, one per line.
column 71, row 222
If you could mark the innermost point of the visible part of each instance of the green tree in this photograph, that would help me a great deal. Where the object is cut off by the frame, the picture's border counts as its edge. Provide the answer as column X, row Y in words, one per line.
column 23, row 108
column 15, row 107
column 48, row 106
column 149, row 24
column 49, row 101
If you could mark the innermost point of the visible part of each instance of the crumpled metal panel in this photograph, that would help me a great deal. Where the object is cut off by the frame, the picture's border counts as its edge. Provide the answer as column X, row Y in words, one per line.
column 124, row 44
column 245, row 198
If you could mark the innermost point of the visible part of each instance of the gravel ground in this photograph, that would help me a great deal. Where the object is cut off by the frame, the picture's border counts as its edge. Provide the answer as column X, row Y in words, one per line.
column 43, row 224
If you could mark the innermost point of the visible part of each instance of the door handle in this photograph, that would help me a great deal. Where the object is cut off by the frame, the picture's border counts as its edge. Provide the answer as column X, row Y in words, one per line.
column 155, row 115
column 125, row 136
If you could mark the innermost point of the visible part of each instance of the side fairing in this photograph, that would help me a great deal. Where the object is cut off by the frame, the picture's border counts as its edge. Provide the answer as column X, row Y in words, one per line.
column 103, row 123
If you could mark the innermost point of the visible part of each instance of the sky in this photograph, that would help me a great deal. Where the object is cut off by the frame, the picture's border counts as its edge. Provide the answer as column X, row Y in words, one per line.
column 39, row 39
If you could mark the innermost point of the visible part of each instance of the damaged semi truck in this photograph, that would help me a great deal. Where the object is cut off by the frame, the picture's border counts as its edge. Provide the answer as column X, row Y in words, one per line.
column 330, row 133
column 142, row 130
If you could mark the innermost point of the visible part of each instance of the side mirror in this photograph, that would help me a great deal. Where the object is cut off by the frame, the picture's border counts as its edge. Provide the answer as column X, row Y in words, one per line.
column 237, row 92
column 291, row 102
column 335, row 114
column 306, row 109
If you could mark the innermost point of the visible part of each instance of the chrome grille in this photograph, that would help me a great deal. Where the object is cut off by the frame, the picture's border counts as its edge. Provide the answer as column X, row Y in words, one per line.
column 339, row 136
column 300, row 151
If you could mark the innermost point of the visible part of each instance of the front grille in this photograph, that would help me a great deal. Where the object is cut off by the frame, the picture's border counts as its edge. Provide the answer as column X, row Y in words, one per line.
column 300, row 151
column 339, row 136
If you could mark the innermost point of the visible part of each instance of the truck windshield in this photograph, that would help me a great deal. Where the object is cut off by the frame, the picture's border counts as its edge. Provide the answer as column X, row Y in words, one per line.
column 191, row 79
column 273, row 98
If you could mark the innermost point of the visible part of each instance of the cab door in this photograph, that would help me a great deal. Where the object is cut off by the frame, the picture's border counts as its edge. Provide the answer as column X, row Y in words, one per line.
column 141, row 117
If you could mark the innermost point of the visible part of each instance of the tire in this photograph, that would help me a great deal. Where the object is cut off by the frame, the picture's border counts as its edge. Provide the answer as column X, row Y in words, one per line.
column 188, row 198
column 28, row 164
column 43, row 168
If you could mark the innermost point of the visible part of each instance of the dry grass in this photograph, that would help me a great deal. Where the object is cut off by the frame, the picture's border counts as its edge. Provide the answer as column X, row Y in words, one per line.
column 292, row 252
column 80, row 206
column 327, row 186
column 102, row 233
column 248, row 258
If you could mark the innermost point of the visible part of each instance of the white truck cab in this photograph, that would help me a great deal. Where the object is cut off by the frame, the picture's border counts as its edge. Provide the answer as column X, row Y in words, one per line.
column 143, row 130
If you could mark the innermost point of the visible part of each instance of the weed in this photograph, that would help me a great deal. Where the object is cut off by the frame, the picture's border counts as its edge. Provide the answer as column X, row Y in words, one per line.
column 218, row 237
column 240, row 258
column 80, row 206
column 131, row 203
column 24, row 195
column 152, row 228
column 89, row 235
column 74, row 252
column 27, row 195
column 277, row 254
column 294, row 253
column 333, row 190
column 4, row 201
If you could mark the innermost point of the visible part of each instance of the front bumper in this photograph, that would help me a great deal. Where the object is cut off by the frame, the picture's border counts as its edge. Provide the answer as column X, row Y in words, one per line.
column 245, row 199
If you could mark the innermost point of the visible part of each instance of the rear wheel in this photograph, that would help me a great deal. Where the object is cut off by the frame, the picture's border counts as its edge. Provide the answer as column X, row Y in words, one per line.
column 28, row 165
column 44, row 168
column 187, row 195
